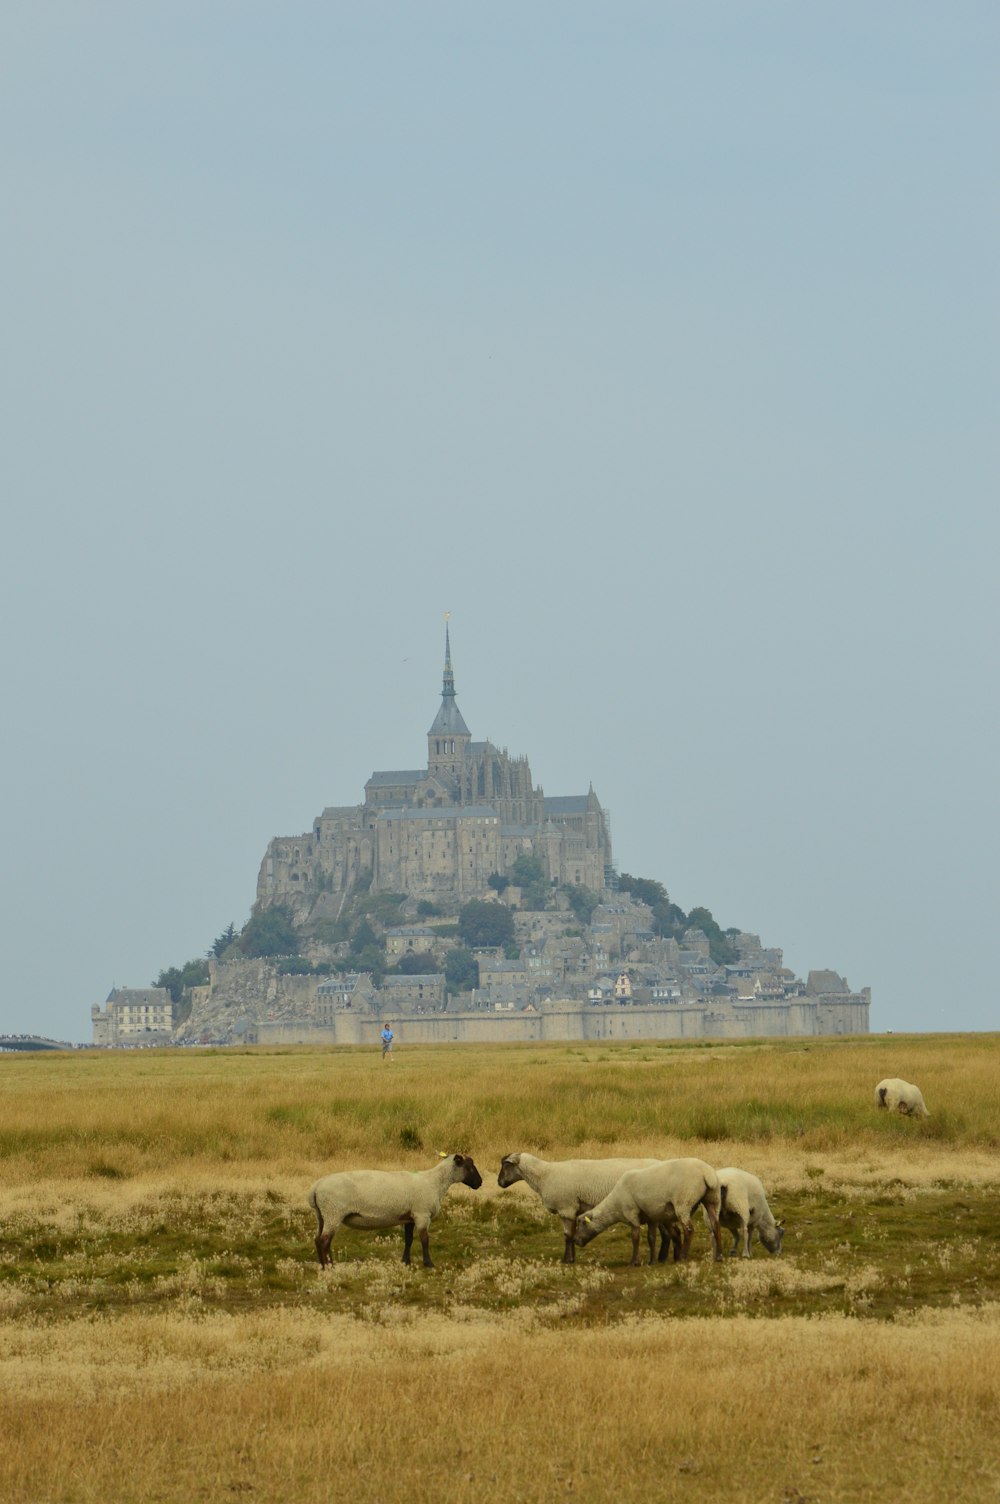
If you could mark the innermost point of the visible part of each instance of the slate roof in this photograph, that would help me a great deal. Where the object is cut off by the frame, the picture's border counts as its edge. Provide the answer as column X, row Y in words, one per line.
column 448, row 721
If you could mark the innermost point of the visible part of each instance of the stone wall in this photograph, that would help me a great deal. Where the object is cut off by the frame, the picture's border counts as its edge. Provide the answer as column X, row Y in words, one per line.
column 566, row 1020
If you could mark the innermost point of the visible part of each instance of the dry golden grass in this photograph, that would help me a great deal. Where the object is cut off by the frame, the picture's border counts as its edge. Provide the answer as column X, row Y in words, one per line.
column 280, row 1407
column 166, row 1335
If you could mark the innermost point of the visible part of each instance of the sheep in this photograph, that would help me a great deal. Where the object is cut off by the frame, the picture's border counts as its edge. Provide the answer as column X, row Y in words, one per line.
column 568, row 1187
column 900, row 1096
column 381, row 1198
column 665, row 1194
column 744, row 1210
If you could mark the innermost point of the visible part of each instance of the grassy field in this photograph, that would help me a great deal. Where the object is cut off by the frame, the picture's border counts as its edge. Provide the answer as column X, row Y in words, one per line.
column 167, row 1335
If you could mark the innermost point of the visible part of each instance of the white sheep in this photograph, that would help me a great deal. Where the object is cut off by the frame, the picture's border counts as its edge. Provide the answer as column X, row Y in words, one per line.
column 381, row 1198
column 900, row 1096
column 665, row 1195
column 744, row 1210
column 568, row 1187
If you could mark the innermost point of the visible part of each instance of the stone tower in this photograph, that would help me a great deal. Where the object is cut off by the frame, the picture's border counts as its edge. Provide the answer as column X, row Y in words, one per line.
column 449, row 737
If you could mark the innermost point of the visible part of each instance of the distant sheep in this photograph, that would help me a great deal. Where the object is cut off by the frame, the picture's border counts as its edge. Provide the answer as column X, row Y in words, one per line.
column 900, row 1096
column 666, row 1195
column 567, row 1187
column 381, row 1198
column 744, row 1210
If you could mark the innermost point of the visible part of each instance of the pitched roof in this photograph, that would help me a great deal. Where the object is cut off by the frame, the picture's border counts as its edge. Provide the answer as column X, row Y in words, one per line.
column 567, row 804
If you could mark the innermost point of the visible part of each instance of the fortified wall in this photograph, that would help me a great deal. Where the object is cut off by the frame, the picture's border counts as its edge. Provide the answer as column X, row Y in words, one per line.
column 249, row 1002
column 575, row 1021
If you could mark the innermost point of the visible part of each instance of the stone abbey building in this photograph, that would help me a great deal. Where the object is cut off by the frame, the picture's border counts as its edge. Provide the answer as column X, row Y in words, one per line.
column 440, row 832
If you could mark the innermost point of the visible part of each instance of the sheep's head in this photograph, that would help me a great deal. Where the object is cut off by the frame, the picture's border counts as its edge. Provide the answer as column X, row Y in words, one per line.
column 510, row 1170
column 771, row 1237
column 467, row 1172
column 585, row 1230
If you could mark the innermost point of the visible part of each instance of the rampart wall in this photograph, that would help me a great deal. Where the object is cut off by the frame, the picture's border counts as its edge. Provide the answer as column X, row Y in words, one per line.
column 576, row 1021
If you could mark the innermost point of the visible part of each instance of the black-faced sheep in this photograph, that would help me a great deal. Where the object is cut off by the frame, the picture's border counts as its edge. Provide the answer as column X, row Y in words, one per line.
column 381, row 1198
column 744, row 1210
column 900, row 1096
column 666, row 1195
column 567, row 1187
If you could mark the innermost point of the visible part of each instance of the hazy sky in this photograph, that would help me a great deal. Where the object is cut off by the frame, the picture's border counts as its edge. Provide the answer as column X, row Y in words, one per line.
column 656, row 342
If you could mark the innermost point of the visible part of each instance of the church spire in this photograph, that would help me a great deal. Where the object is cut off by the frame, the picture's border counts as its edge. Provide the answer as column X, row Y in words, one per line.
column 448, row 688
column 449, row 732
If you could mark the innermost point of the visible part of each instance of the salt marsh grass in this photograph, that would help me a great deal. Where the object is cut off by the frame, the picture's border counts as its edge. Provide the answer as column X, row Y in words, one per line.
column 165, row 1330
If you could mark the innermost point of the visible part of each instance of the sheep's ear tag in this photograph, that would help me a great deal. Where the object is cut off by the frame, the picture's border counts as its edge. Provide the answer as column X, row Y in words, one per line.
column 442, row 1154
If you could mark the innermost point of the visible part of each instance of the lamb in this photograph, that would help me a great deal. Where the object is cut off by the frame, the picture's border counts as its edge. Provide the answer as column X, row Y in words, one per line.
column 568, row 1187
column 744, row 1210
column 381, row 1198
column 900, row 1096
column 665, row 1195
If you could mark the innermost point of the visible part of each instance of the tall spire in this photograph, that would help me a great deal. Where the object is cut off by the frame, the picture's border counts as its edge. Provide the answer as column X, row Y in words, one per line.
column 448, row 722
column 448, row 688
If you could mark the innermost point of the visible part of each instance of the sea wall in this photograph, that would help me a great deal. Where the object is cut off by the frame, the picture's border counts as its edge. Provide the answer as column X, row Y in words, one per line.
column 576, row 1021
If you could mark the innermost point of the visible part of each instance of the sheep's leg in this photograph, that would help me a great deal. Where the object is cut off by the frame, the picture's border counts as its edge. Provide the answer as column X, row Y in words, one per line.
column 407, row 1241
column 713, row 1222
column 746, row 1240
column 569, row 1233
column 669, row 1242
column 685, row 1234
column 636, row 1231
column 323, row 1241
column 425, row 1248
column 736, row 1244
column 651, row 1241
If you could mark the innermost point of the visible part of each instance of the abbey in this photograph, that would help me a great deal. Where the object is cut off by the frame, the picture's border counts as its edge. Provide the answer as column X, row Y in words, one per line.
column 439, row 833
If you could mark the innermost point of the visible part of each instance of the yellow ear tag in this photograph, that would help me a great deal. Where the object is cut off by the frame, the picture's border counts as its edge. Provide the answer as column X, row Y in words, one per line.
column 442, row 1154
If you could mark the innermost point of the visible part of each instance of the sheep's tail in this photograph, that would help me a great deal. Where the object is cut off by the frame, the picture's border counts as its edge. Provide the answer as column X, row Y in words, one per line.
column 712, row 1196
column 723, row 1190
column 315, row 1206
column 881, row 1095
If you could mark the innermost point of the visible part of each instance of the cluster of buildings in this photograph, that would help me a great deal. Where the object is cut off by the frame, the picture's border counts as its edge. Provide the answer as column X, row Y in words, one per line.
column 443, row 835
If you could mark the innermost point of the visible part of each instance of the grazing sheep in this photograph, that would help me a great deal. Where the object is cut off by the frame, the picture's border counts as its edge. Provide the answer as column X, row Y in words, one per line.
column 665, row 1195
column 900, row 1096
column 567, row 1187
column 381, row 1198
column 744, row 1210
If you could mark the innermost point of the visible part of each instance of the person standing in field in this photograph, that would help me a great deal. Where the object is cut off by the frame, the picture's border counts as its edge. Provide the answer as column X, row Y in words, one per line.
column 386, row 1037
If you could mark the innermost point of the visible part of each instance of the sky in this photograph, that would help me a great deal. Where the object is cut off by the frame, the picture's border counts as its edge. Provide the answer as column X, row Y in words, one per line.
column 657, row 343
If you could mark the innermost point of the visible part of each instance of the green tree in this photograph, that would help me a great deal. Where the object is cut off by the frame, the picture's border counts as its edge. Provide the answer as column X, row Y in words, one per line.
column 416, row 963
column 367, row 952
column 583, row 901
column 498, row 882
column 222, row 942
column 668, row 919
column 527, row 870
column 722, row 948
column 529, row 875
column 269, row 932
column 482, row 923
column 646, row 889
column 177, row 979
column 461, row 970
column 371, row 959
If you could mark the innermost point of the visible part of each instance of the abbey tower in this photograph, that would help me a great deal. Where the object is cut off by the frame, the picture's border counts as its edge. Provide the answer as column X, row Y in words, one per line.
column 440, row 832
